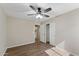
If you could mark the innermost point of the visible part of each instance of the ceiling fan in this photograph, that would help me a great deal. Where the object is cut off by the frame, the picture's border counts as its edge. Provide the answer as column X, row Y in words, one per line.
column 40, row 13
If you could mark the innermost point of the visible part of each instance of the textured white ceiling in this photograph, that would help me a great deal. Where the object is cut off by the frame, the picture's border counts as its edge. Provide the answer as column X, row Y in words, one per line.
column 20, row 10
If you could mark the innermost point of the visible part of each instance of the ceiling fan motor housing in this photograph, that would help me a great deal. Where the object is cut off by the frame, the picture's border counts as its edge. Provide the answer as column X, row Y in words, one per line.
column 39, row 9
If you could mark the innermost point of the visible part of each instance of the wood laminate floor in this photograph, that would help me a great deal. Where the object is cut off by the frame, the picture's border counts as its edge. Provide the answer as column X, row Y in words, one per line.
column 29, row 50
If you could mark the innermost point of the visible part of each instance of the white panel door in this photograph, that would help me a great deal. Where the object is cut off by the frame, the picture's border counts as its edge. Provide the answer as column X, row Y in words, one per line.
column 43, row 33
column 52, row 33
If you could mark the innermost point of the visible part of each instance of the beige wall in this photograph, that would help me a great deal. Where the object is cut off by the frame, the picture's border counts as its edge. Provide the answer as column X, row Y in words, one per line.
column 3, row 32
column 20, row 32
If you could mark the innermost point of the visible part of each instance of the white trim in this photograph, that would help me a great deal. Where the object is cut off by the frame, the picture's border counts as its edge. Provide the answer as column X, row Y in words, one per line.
column 3, row 52
column 73, row 54
column 20, row 45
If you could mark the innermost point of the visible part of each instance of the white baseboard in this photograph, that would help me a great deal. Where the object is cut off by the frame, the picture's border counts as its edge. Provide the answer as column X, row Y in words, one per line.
column 73, row 54
column 3, row 52
column 20, row 44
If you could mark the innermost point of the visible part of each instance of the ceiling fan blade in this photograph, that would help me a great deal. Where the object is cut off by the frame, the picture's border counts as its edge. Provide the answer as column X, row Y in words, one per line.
column 32, row 7
column 45, row 15
column 47, row 10
column 31, row 14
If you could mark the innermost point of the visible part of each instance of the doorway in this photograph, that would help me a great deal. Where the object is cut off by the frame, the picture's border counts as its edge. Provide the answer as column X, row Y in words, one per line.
column 37, row 35
column 47, row 33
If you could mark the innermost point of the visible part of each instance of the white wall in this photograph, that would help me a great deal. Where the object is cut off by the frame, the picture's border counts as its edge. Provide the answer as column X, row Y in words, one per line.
column 67, row 28
column 20, row 32
column 72, row 43
column 3, row 32
column 61, row 28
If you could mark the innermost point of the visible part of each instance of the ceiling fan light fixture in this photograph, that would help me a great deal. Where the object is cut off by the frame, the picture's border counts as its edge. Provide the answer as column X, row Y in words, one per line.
column 39, row 16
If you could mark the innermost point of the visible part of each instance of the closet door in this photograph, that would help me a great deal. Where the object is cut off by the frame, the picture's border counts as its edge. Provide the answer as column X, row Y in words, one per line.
column 52, row 33
column 48, row 33
column 43, row 33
